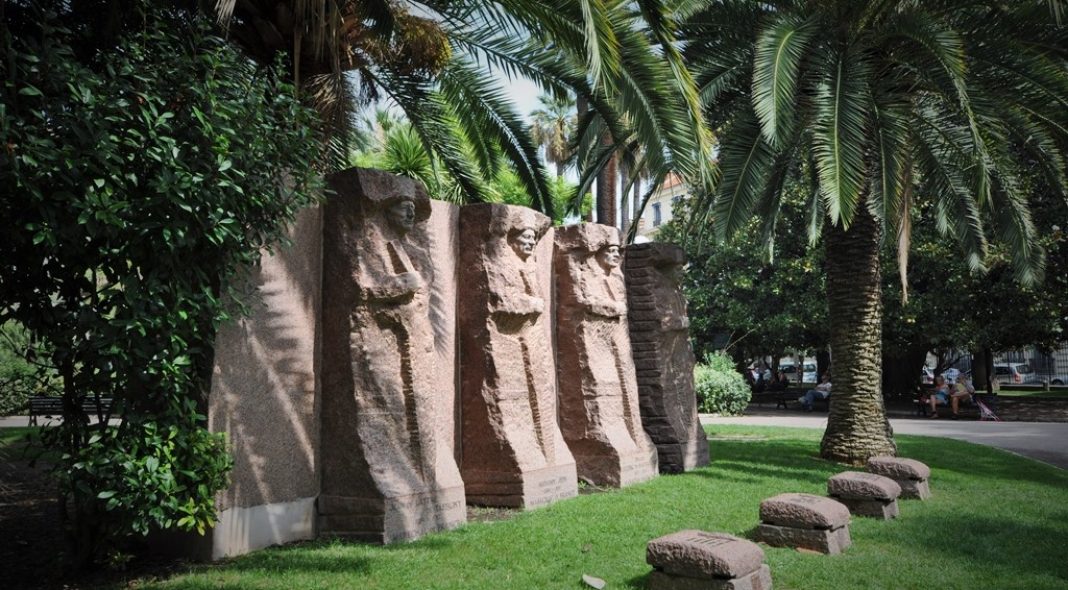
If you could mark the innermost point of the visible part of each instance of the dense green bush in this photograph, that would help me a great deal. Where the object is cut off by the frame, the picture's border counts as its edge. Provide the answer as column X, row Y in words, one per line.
column 720, row 388
column 19, row 377
column 139, row 181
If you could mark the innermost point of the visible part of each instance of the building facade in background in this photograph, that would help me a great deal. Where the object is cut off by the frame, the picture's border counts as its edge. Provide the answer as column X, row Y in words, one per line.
column 661, row 206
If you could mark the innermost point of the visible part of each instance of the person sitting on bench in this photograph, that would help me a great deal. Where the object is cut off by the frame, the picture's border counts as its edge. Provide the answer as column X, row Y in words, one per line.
column 822, row 391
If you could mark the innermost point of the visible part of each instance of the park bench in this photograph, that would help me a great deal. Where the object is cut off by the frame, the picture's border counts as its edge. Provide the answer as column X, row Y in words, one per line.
column 48, row 407
column 788, row 395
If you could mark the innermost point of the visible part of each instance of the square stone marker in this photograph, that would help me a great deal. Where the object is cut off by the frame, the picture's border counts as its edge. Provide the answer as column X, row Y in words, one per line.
column 866, row 494
column 697, row 554
column 912, row 475
column 804, row 521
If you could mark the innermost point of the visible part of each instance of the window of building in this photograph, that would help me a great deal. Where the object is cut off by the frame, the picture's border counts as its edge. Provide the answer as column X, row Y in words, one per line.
column 657, row 219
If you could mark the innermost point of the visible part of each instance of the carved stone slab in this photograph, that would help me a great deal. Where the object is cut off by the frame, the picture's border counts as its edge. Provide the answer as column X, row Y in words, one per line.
column 862, row 486
column 910, row 474
column 829, row 541
column 513, row 451
column 389, row 388
column 804, row 511
column 757, row 580
column 697, row 554
column 598, row 391
column 663, row 357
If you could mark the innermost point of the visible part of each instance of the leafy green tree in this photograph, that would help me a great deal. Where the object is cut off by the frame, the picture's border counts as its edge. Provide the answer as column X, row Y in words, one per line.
column 138, row 183
column 873, row 101
column 764, row 306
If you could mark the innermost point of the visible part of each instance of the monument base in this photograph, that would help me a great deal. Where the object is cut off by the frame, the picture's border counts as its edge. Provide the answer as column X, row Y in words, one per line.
column 880, row 509
column 617, row 470
column 829, row 541
column 394, row 519
column 918, row 490
column 531, row 489
column 759, row 579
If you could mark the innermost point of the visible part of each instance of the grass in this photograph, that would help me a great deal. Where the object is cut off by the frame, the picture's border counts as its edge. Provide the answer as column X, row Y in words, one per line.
column 13, row 442
column 1054, row 392
column 996, row 521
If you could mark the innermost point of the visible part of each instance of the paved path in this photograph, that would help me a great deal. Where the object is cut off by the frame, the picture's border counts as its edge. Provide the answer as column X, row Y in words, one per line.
column 1044, row 441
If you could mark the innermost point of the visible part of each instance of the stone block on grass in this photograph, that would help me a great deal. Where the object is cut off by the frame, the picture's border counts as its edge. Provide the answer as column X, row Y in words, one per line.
column 865, row 494
column 693, row 559
column 910, row 474
column 804, row 521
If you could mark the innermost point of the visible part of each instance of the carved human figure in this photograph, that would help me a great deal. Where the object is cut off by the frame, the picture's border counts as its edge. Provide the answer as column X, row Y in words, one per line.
column 598, row 391
column 383, row 397
column 513, row 452
column 663, row 357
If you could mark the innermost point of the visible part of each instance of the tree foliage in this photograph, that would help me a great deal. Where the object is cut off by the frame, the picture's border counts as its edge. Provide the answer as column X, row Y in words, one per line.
column 139, row 181
column 867, row 103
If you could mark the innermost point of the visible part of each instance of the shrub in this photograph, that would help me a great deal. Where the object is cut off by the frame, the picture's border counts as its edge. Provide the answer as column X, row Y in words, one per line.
column 141, row 180
column 720, row 388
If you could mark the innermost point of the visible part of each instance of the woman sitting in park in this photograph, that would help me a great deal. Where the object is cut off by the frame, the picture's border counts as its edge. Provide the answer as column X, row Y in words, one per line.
column 822, row 391
column 779, row 382
column 944, row 394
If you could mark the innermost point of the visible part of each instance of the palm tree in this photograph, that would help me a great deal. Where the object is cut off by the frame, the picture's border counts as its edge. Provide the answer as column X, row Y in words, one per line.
column 868, row 102
column 553, row 125
column 434, row 59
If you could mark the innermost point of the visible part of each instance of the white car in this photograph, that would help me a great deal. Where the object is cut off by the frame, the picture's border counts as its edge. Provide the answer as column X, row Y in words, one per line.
column 808, row 372
column 1014, row 373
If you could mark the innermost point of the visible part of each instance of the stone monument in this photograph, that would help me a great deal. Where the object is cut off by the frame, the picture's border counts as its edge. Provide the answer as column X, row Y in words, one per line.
column 389, row 471
column 865, row 494
column 696, row 560
column 513, row 452
column 804, row 521
column 598, row 389
column 660, row 339
column 910, row 474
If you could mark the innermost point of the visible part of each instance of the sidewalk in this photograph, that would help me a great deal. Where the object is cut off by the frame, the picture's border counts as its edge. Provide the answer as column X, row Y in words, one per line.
column 1044, row 441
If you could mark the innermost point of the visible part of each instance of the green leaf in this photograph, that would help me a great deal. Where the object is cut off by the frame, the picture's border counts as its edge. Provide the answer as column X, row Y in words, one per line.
column 839, row 137
column 776, row 68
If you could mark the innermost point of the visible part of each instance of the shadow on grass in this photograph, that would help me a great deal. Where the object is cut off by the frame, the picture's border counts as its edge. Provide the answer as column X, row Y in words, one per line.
column 989, row 543
column 794, row 459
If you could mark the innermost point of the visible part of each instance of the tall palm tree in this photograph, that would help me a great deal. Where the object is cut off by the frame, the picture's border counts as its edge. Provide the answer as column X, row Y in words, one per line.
column 868, row 102
column 552, row 127
column 434, row 59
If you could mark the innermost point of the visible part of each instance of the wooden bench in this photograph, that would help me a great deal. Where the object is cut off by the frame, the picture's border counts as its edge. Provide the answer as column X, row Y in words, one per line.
column 781, row 398
column 48, row 407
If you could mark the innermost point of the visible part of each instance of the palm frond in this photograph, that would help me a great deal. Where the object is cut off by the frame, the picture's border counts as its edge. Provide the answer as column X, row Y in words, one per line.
column 839, row 134
column 745, row 160
column 776, row 68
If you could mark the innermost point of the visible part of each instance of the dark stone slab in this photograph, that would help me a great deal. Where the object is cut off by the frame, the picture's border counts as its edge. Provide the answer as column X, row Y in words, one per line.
column 663, row 357
column 804, row 511
column 697, row 554
column 759, row 579
column 863, row 486
column 829, row 541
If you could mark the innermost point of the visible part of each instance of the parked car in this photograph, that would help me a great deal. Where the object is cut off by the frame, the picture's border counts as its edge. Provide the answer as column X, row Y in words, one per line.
column 1014, row 373
column 1061, row 379
column 808, row 372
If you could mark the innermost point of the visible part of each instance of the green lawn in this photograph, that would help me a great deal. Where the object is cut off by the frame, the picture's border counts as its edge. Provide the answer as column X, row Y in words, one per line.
column 1054, row 392
column 995, row 521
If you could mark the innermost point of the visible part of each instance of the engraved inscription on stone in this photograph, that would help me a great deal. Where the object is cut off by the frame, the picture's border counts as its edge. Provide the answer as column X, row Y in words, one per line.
column 598, row 389
column 663, row 357
column 510, row 435
column 388, row 357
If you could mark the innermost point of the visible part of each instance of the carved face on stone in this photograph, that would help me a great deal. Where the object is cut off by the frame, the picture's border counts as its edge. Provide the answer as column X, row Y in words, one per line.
column 609, row 257
column 523, row 243
column 401, row 215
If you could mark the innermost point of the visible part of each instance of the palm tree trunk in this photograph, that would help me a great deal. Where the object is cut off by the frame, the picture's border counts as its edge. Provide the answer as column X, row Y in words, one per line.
column 857, row 427
column 607, row 183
